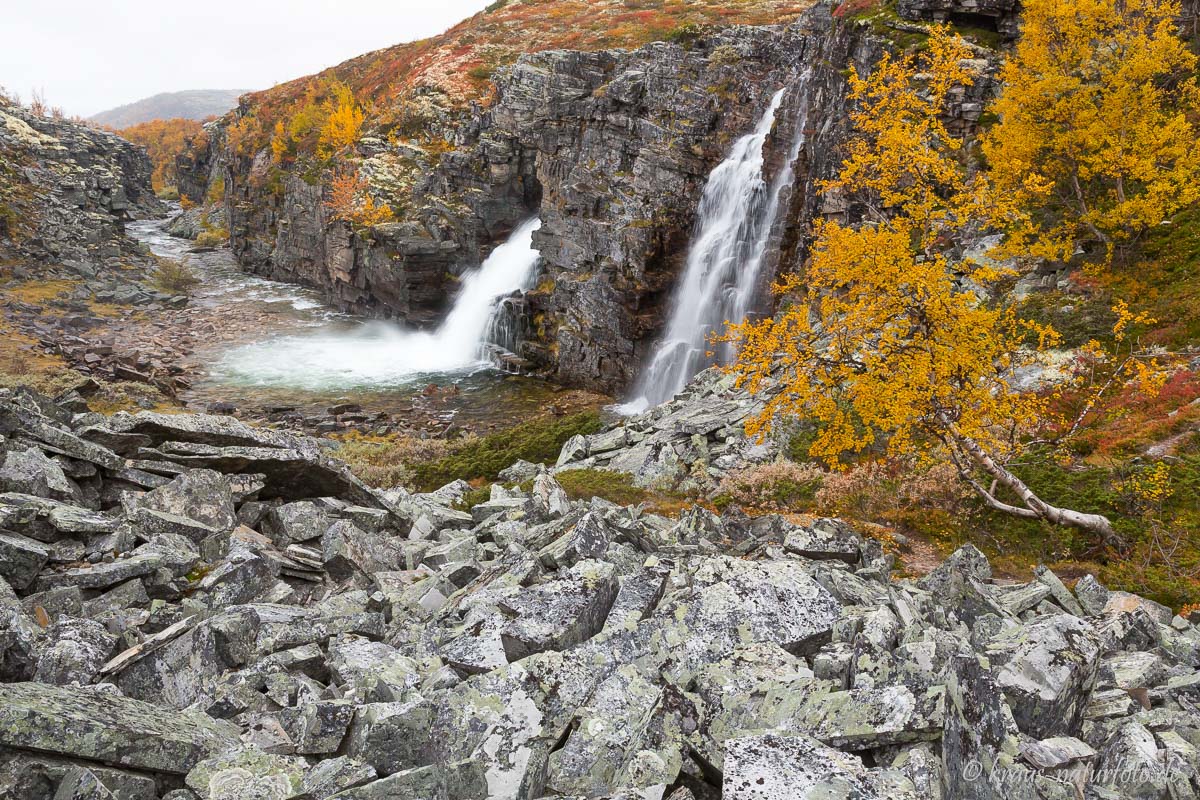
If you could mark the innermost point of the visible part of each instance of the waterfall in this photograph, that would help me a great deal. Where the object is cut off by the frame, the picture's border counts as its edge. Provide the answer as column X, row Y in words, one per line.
column 381, row 354
column 510, row 268
column 723, row 273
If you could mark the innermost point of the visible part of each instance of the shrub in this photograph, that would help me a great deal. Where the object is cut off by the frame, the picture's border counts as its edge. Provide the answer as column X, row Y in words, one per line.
column 723, row 56
column 168, row 193
column 616, row 487
column 687, row 34
column 213, row 237
column 175, row 277
column 16, row 372
column 781, row 485
column 480, row 73
column 350, row 201
column 384, row 462
column 216, row 192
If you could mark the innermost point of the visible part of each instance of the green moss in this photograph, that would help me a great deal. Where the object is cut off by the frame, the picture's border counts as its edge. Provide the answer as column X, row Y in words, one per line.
column 1139, row 565
column 617, row 487
column 539, row 441
column 473, row 498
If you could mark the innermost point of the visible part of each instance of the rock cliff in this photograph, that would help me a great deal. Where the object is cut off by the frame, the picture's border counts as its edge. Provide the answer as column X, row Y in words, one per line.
column 66, row 191
column 611, row 148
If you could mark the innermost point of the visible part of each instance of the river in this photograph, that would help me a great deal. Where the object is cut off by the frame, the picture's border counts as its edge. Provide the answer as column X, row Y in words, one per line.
column 290, row 350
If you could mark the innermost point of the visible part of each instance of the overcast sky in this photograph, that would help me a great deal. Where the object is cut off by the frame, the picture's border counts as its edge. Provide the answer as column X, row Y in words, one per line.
column 88, row 56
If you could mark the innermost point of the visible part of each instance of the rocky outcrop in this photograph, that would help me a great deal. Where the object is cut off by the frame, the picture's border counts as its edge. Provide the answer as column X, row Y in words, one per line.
column 1002, row 16
column 66, row 191
column 186, row 615
column 688, row 443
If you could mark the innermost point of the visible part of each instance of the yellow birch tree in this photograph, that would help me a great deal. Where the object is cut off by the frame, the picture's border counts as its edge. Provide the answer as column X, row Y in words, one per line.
column 887, row 345
column 1097, row 138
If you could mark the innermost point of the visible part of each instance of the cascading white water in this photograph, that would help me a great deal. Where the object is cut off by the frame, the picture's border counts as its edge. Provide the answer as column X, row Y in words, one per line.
column 381, row 354
column 724, row 265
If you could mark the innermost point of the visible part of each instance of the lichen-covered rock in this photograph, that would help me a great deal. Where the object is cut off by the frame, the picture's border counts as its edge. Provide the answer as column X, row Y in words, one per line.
column 104, row 726
column 610, row 734
column 771, row 767
column 536, row 646
column 1131, row 765
column 31, row 472
column 21, row 559
column 392, row 737
column 1046, row 671
column 561, row 613
column 201, row 495
column 73, row 651
column 734, row 603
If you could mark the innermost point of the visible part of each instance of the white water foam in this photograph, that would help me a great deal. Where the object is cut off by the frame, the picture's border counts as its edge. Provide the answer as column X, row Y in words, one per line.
column 724, row 266
column 380, row 354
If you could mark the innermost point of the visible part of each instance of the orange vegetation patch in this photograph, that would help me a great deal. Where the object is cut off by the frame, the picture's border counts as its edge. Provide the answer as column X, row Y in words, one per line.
column 164, row 140
column 456, row 62
column 1131, row 420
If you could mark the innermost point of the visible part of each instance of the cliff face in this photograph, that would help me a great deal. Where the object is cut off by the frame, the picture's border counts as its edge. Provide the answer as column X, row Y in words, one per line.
column 66, row 190
column 610, row 148
column 622, row 145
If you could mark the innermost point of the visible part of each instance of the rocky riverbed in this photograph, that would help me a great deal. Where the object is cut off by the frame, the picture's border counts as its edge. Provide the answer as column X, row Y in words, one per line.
column 192, row 607
column 182, row 349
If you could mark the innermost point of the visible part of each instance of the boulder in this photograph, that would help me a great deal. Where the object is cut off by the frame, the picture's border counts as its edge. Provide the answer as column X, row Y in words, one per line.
column 560, row 613
column 1047, row 670
column 99, row 725
column 772, row 767
column 73, row 651
column 21, row 559
column 29, row 471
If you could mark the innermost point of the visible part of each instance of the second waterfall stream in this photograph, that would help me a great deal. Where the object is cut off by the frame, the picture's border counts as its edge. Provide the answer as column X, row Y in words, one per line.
column 380, row 354
column 723, row 274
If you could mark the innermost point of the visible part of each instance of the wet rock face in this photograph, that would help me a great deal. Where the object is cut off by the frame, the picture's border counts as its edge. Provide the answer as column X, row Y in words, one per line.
column 173, row 630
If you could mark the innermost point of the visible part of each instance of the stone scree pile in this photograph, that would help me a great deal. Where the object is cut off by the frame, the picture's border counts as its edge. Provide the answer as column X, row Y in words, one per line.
column 194, row 608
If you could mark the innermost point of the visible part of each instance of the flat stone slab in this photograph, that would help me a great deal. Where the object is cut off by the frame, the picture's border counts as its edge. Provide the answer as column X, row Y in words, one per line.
column 98, row 726
column 774, row 767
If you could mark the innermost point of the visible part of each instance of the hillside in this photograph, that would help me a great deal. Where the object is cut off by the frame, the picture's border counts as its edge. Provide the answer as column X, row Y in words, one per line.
column 196, row 104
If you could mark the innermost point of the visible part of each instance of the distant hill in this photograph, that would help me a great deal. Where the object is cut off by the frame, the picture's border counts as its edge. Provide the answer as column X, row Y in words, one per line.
column 196, row 104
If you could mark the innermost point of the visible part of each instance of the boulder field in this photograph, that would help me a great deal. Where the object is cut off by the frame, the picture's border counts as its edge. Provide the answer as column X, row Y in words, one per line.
column 192, row 608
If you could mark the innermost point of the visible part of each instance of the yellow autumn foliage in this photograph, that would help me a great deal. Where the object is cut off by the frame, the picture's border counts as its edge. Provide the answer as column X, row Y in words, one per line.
column 888, row 344
column 343, row 122
column 1097, row 136
column 884, row 345
column 350, row 201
